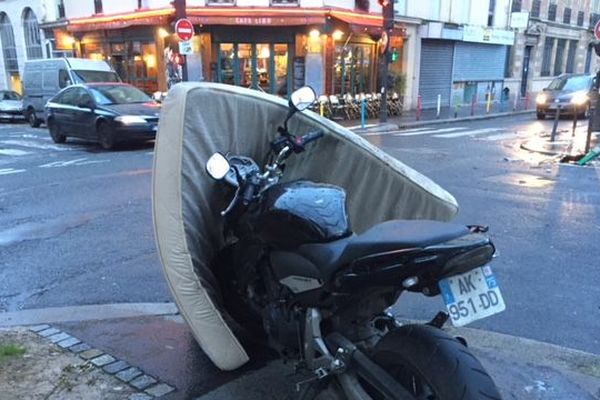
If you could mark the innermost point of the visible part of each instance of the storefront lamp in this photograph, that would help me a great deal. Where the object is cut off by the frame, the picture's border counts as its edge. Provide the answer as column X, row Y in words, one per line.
column 314, row 34
column 337, row 35
column 162, row 33
column 68, row 40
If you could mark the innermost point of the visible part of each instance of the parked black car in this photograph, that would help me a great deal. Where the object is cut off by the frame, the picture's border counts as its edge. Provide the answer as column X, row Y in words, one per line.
column 104, row 112
column 569, row 91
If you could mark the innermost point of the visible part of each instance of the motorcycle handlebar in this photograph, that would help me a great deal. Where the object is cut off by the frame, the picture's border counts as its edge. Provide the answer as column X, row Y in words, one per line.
column 311, row 137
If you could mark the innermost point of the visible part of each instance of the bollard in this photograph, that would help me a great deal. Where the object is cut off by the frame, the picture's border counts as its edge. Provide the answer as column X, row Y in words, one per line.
column 419, row 106
column 488, row 105
column 363, row 107
column 516, row 106
column 473, row 105
column 321, row 109
column 575, row 114
column 439, row 105
column 553, row 135
column 527, row 101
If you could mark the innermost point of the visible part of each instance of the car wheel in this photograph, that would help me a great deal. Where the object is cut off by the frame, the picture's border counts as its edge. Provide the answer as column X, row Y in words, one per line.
column 541, row 115
column 55, row 134
column 33, row 119
column 105, row 136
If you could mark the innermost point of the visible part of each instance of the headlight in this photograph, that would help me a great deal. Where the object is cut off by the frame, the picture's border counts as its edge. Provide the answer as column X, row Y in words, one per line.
column 541, row 98
column 579, row 98
column 130, row 119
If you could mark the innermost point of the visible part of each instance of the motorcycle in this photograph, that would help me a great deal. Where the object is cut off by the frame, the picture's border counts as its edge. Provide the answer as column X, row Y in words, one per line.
column 292, row 273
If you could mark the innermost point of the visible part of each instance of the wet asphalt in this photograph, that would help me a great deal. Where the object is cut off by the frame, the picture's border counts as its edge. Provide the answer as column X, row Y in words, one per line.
column 75, row 229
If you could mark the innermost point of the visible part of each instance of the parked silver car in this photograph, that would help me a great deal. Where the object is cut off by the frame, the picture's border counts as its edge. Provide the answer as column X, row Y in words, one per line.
column 11, row 106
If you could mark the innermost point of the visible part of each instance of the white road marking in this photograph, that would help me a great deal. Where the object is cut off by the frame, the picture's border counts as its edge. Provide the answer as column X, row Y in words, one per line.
column 500, row 136
column 92, row 162
column 468, row 133
column 58, row 164
column 13, row 152
column 35, row 145
column 427, row 132
column 8, row 171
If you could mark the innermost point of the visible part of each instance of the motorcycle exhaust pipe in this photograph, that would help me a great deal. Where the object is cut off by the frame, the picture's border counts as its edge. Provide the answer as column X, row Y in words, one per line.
column 367, row 369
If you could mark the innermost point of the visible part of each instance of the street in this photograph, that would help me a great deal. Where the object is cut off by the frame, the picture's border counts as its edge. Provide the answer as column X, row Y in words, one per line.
column 76, row 225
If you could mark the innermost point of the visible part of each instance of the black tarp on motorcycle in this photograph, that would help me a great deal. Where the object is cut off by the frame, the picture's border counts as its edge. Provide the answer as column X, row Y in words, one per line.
column 199, row 119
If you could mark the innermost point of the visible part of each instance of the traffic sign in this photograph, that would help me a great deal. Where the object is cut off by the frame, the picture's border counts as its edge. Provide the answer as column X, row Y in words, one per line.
column 597, row 30
column 184, row 29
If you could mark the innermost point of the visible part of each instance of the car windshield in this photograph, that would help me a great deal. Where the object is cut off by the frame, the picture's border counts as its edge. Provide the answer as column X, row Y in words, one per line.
column 10, row 96
column 118, row 94
column 571, row 84
column 88, row 76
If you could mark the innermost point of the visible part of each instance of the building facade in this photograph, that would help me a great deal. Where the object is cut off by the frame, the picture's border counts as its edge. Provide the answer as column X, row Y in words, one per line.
column 459, row 51
column 21, row 39
column 269, row 45
column 558, row 39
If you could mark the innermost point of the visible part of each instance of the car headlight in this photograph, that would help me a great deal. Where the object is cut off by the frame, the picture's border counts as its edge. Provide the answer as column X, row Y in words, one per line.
column 579, row 98
column 130, row 119
column 541, row 98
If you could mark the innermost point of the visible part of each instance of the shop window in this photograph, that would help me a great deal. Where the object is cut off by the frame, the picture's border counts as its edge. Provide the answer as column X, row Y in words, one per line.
column 281, row 60
column 353, row 69
column 245, row 70
column 9, row 50
column 580, row 18
column 264, row 68
column 536, row 5
column 546, row 60
column 567, row 16
column 225, row 66
column 571, row 56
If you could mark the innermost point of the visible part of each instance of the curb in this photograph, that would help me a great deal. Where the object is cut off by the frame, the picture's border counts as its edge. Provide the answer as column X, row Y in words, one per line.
column 147, row 386
column 525, row 146
column 469, row 118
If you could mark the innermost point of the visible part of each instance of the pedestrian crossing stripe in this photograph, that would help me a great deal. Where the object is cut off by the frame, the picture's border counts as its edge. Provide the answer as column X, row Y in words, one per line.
column 472, row 132
column 427, row 132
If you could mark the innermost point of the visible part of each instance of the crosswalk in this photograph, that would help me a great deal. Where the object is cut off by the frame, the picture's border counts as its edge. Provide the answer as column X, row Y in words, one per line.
column 487, row 134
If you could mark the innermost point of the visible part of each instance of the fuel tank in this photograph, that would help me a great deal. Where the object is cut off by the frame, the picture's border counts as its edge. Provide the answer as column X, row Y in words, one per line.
column 299, row 212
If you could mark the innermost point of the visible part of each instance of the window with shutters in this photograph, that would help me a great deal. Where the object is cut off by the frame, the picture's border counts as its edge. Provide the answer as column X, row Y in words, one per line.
column 536, row 5
column 98, row 6
column 31, row 30
column 492, row 5
column 560, row 54
column 580, row 18
column 516, row 6
column 571, row 56
column 547, row 59
column 567, row 16
column 61, row 9
column 552, row 12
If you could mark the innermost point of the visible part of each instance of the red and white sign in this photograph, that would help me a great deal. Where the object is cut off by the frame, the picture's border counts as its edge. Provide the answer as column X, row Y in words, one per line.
column 184, row 29
column 597, row 30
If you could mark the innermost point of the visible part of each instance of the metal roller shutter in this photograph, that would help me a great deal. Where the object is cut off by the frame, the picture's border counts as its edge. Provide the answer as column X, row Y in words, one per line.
column 436, row 71
column 478, row 62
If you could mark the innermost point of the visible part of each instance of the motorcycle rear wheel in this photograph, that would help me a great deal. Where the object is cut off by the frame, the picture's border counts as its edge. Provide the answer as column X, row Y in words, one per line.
column 433, row 365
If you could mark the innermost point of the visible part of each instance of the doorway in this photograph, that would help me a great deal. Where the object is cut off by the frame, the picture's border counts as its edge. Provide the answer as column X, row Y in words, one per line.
column 525, row 73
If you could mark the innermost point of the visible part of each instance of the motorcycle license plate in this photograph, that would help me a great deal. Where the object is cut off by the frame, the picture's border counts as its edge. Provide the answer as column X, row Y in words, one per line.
column 471, row 296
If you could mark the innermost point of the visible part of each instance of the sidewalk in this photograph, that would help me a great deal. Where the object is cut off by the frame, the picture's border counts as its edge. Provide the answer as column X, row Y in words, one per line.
column 430, row 117
column 146, row 356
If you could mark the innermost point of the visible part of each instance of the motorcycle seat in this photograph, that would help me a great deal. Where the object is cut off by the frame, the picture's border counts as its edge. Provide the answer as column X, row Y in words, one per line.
column 384, row 237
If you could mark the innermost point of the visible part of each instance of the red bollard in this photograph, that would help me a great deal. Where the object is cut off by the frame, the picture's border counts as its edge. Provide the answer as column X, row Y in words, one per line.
column 473, row 105
column 527, row 100
column 419, row 107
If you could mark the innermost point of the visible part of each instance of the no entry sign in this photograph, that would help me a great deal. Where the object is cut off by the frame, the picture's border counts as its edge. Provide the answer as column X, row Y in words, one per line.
column 597, row 30
column 184, row 29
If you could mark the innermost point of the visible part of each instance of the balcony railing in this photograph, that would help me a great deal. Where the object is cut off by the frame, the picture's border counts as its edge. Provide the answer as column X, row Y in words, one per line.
column 284, row 2
column 221, row 2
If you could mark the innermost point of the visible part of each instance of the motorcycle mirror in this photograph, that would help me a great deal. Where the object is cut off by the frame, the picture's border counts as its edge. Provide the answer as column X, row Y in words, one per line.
column 302, row 98
column 217, row 166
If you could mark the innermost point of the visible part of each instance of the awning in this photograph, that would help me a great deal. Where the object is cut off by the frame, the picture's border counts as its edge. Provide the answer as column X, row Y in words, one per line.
column 256, row 16
column 119, row 21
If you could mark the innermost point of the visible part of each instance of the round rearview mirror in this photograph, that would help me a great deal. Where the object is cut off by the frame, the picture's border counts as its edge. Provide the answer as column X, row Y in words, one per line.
column 217, row 166
column 302, row 98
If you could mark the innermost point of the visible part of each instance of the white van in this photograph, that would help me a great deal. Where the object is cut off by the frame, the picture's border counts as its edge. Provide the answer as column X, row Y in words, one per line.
column 42, row 79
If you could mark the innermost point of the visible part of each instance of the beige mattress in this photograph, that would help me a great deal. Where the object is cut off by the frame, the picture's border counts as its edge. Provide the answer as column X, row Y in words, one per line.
column 199, row 119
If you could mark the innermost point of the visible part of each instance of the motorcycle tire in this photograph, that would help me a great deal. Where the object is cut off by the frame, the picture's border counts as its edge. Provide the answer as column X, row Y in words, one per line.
column 433, row 365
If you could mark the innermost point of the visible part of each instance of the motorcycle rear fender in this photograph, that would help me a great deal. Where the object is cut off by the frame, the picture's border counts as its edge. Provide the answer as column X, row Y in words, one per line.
column 418, row 269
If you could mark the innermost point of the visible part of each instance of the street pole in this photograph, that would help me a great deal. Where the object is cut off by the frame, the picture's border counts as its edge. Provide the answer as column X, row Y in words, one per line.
column 388, row 26
column 180, row 12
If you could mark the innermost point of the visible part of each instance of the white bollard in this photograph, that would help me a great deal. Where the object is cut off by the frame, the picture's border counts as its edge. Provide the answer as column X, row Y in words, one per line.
column 516, row 100
column 439, row 105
